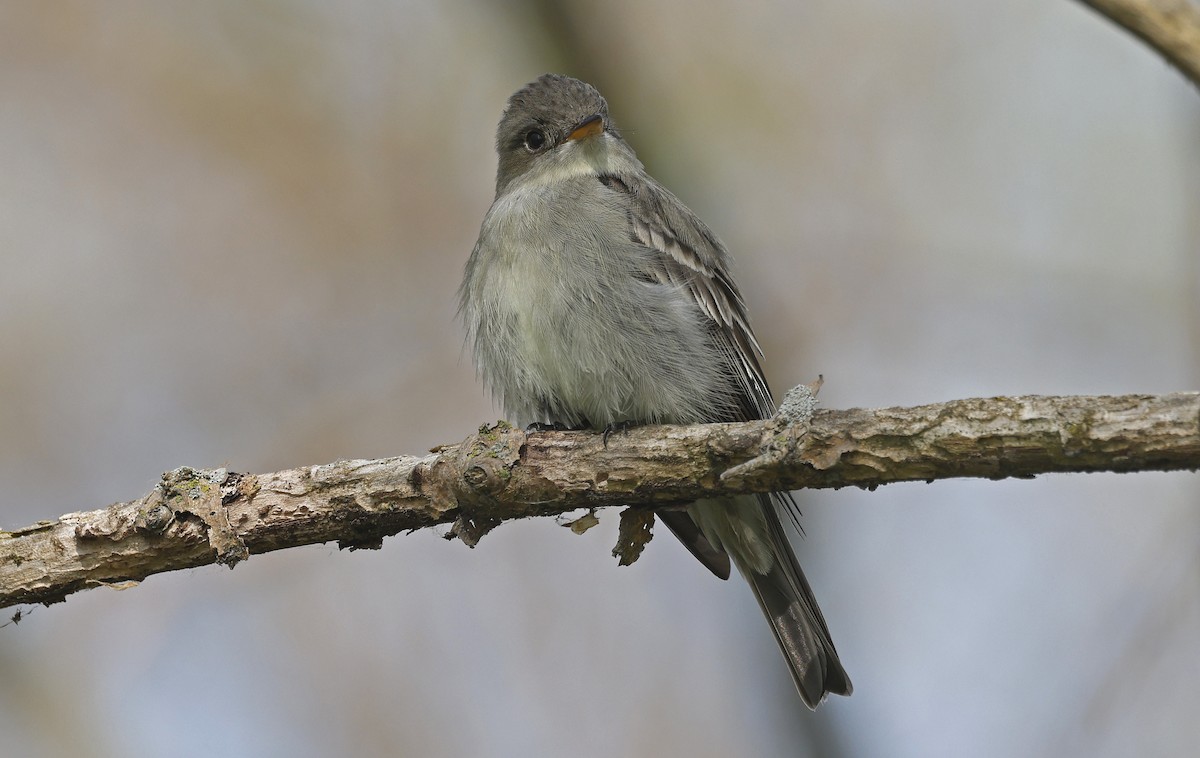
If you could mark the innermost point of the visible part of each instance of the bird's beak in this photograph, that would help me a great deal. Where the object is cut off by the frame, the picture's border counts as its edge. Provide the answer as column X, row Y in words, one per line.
column 589, row 127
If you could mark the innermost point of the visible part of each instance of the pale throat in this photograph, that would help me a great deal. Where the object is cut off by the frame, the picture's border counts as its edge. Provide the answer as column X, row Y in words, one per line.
column 591, row 156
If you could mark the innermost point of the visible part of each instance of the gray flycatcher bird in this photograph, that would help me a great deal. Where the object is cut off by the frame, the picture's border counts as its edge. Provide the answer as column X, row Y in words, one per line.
column 594, row 299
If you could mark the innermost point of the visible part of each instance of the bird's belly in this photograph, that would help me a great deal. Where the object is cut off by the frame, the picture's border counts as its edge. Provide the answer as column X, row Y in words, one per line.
column 570, row 331
column 606, row 359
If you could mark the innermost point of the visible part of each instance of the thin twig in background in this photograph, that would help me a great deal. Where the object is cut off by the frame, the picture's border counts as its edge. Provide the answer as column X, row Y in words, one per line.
column 1172, row 27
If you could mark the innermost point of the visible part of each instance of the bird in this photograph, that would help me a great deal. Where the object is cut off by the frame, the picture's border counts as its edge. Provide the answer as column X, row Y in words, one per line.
column 595, row 299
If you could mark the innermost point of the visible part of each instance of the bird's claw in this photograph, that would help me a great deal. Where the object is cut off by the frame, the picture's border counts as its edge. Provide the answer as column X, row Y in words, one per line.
column 539, row 426
column 619, row 426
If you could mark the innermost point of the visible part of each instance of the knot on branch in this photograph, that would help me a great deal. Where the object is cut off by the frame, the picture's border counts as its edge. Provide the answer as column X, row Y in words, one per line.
column 194, row 499
column 782, row 433
column 486, row 460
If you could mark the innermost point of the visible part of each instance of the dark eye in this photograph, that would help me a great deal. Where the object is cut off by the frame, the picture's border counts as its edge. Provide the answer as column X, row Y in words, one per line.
column 535, row 140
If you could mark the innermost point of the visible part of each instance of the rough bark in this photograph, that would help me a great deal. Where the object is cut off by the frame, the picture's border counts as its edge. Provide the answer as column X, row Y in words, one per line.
column 196, row 517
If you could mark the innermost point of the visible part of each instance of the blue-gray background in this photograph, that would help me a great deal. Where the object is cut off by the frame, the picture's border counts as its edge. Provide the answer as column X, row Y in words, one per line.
column 231, row 233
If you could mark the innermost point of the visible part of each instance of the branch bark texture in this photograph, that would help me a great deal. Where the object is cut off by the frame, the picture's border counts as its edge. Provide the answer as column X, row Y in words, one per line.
column 1171, row 27
column 196, row 517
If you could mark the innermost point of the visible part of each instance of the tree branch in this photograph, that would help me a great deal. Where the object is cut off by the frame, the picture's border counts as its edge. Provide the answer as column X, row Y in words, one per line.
column 1172, row 27
column 196, row 517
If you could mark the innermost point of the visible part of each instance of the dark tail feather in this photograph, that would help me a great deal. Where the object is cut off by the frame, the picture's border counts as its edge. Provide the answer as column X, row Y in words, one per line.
column 799, row 627
column 681, row 524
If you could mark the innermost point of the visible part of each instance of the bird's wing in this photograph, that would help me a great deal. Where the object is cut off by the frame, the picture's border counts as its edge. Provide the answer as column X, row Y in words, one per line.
column 689, row 255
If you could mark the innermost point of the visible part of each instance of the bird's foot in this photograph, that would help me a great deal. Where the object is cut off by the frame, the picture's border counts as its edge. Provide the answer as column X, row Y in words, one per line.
column 556, row 426
column 620, row 426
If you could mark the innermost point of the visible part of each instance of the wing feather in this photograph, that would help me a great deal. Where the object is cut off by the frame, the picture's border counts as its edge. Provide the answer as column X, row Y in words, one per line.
column 690, row 256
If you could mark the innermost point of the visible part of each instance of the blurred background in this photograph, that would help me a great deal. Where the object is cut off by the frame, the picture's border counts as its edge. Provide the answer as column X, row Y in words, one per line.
column 231, row 235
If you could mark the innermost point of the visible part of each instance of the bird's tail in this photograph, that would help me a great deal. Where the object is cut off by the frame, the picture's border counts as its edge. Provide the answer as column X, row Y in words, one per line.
column 788, row 603
column 749, row 530
column 801, row 632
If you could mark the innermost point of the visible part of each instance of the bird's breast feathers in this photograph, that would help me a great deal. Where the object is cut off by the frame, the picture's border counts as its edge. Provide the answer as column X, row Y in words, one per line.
column 572, row 323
